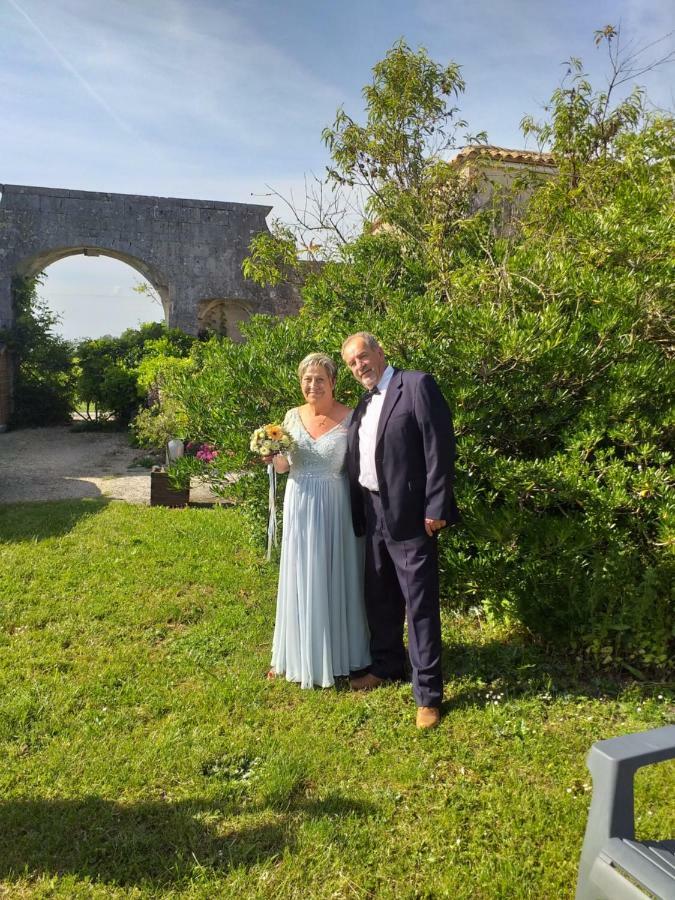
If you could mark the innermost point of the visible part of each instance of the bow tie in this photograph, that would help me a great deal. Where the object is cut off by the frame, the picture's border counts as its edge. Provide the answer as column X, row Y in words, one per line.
column 368, row 396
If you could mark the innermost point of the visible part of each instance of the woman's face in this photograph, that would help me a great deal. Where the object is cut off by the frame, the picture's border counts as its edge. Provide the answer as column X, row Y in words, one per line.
column 316, row 384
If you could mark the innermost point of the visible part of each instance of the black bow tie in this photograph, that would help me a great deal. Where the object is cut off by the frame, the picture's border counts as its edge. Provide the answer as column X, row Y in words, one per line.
column 368, row 396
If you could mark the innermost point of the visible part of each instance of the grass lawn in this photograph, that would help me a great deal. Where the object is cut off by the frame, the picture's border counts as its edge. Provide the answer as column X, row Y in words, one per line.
column 145, row 755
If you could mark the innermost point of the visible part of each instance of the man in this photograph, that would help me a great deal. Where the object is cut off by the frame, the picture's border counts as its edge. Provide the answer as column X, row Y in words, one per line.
column 400, row 461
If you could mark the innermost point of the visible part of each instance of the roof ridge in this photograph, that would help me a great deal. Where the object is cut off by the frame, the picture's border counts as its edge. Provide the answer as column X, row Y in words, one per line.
column 505, row 154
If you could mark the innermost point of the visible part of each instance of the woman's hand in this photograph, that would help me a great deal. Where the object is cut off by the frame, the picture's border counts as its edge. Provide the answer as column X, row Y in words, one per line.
column 278, row 460
column 280, row 463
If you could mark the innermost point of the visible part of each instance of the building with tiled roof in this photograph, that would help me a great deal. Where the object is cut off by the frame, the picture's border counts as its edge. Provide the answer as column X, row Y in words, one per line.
column 490, row 152
column 514, row 174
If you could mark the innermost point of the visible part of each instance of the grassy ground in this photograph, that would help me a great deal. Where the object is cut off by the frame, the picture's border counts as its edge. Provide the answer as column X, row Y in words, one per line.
column 145, row 755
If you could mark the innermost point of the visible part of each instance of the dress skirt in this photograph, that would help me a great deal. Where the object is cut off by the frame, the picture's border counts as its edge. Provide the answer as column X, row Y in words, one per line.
column 321, row 630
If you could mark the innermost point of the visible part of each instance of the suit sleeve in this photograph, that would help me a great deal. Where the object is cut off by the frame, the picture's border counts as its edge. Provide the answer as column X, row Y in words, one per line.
column 435, row 423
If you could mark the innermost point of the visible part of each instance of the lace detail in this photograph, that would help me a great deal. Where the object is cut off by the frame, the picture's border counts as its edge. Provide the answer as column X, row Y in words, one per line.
column 322, row 457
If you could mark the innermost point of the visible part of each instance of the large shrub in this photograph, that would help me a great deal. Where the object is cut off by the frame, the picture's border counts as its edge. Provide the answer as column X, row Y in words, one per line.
column 552, row 343
column 114, row 374
column 43, row 386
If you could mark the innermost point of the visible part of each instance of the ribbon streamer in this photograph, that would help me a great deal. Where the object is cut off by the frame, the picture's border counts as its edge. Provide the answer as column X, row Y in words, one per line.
column 272, row 519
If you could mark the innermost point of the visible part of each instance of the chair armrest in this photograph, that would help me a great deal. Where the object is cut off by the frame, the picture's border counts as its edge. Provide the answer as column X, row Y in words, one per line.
column 613, row 763
column 636, row 749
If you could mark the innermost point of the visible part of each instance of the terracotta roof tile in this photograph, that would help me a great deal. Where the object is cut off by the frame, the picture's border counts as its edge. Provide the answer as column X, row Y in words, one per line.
column 504, row 154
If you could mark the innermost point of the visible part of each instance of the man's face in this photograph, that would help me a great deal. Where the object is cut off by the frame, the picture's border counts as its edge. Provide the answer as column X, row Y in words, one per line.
column 365, row 364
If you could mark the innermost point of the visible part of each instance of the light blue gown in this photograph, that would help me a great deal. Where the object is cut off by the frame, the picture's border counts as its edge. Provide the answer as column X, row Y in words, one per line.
column 321, row 630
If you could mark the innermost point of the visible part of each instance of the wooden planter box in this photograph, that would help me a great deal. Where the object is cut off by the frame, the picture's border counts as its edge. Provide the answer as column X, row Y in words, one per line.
column 162, row 494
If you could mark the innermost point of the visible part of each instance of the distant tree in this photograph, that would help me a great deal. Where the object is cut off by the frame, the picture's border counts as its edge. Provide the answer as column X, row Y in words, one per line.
column 107, row 369
column 43, row 389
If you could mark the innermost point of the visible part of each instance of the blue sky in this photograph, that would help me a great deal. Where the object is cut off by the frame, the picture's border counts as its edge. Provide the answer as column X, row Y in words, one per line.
column 219, row 98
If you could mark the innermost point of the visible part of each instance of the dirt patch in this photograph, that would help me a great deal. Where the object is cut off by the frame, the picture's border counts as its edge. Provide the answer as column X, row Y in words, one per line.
column 61, row 464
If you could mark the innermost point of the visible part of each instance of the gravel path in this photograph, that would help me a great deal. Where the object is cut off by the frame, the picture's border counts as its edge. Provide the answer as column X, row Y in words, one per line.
column 59, row 464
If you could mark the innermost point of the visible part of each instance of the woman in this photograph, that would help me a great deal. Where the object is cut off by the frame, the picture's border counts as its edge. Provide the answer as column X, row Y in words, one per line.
column 320, row 631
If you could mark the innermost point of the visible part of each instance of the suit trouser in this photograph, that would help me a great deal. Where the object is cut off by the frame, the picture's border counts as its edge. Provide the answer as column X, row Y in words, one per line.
column 402, row 579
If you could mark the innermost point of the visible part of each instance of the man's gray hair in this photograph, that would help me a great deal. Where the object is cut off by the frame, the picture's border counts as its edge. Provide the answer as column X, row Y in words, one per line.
column 318, row 359
column 369, row 339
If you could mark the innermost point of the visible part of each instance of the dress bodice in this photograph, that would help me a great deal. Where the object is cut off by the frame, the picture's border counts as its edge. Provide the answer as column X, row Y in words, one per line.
column 322, row 457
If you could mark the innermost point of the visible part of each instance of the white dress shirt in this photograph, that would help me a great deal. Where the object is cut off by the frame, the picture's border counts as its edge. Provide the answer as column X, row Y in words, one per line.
column 368, row 433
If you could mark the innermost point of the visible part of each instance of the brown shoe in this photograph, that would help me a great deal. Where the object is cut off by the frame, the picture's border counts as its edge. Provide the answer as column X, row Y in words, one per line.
column 366, row 682
column 428, row 716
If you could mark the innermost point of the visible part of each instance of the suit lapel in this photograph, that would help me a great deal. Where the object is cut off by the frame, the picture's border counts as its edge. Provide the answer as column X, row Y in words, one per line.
column 391, row 398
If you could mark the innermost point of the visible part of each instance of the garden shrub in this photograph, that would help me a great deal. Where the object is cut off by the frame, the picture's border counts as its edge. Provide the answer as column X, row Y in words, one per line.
column 43, row 386
column 114, row 374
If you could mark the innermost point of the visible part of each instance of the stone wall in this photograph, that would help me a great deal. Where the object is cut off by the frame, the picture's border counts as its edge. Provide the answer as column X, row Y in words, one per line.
column 191, row 251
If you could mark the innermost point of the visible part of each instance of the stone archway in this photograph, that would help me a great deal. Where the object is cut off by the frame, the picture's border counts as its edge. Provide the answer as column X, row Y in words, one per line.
column 223, row 317
column 35, row 264
column 191, row 251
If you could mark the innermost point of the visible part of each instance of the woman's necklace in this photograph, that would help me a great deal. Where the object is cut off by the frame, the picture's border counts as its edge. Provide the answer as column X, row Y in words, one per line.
column 324, row 419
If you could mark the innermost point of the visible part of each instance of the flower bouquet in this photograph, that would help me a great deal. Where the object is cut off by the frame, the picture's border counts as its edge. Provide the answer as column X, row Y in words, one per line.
column 267, row 441
column 270, row 439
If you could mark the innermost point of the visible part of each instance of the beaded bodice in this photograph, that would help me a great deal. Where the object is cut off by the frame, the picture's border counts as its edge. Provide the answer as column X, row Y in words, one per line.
column 322, row 457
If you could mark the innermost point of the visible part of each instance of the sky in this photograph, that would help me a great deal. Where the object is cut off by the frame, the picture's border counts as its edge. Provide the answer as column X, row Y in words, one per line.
column 226, row 99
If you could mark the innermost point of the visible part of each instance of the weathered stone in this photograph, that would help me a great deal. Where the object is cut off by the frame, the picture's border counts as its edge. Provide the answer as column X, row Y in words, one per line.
column 191, row 251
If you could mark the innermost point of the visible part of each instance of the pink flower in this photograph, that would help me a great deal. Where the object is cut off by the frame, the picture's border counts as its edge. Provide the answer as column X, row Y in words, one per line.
column 206, row 453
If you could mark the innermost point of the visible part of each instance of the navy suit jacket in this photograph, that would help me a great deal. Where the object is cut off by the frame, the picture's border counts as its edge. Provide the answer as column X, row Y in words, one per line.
column 414, row 457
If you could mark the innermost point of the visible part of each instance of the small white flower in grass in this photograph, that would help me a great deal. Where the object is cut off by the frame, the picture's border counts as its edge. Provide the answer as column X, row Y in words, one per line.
column 660, row 697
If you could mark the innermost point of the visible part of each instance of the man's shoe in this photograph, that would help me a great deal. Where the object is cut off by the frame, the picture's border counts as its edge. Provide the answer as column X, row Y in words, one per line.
column 428, row 716
column 367, row 682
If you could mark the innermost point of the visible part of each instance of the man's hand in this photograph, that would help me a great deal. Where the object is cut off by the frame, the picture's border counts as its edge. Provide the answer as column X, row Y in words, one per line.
column 433, row 525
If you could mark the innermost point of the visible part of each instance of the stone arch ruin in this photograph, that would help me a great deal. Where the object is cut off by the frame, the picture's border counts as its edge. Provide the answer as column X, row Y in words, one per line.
column 190, row 251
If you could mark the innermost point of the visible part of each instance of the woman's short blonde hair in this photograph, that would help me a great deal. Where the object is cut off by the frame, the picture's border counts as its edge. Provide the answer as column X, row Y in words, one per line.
column 318, row 359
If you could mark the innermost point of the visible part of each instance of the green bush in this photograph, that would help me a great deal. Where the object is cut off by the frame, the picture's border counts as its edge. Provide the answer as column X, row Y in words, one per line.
column 43, row 388
column 115, row 375
column 552, row 342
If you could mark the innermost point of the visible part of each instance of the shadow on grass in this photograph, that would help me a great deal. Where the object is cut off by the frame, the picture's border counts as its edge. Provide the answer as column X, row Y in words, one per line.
column 519, row 668
column 38, row 521
column 159, row 842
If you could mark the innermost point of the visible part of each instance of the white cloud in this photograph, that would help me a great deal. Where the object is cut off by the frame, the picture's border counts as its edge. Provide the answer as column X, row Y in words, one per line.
column 180, row 73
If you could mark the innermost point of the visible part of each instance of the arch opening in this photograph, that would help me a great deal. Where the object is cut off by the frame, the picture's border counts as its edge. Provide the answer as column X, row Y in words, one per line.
column 105, row 297
column 223, row 317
